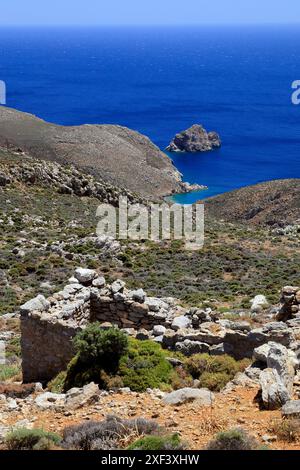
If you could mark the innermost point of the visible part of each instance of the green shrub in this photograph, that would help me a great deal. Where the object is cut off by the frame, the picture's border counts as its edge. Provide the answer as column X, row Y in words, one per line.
column 98, row 346
column 145, row 366
column 180, row 378
column 57, row 384
column 214, row 381
column 27, row 439
column 214, row 372
column 98, row 355
column 157, row 443
column 234, row 439
column 8, row 372
column 81, row 373
column 44, row 444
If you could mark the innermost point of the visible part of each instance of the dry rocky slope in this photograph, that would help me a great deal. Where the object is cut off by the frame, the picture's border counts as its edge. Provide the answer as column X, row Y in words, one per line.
column 117, row 154
column 273, row 203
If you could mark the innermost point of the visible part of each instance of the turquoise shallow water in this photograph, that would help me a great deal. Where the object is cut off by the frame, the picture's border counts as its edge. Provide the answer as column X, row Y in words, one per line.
column 159, row 81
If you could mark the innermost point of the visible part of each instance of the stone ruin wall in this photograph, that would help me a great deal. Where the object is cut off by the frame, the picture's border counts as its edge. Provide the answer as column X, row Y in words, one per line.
column 46, row 347
column 48, row 326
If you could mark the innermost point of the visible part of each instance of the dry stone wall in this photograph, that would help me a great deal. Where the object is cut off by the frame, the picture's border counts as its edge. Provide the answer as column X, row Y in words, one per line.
column 48, row 325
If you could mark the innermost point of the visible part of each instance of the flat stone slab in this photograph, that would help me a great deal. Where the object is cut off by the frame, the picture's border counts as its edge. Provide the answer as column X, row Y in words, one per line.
column 291, row 409
column 201, row 395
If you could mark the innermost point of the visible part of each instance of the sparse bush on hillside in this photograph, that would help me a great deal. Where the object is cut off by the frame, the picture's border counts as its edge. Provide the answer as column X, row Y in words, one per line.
column 234, row 439
column 31, row 439
column 214, row 380
column 287, row 429
column 112, row 433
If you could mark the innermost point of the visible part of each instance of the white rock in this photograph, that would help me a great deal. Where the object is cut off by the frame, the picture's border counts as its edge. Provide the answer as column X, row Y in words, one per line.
column 11, row 404
column 85, row 275
column 181, row 322
column 49, row 400
column 274, row 392
column 291, row 409
column 138, row 295
column 117, row 286
column 261, row 353
column 39, row 303
column 154, row 304
column 282, row 360
column 99, row 282
column 38, row 387
column 202, row 396
column 46, row 285
column 259, row 303
column 159, row 330
column 78, row 397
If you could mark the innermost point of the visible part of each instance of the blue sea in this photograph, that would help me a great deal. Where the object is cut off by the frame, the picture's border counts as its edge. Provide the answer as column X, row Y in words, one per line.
column 161, row 80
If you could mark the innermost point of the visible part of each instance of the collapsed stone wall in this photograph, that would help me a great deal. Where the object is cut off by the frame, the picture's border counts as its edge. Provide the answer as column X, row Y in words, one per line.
column 290, row 299
column 46, row 347
column 48, row 326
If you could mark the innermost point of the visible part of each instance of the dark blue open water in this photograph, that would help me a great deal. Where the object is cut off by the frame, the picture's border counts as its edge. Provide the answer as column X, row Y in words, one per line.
column 159, row 81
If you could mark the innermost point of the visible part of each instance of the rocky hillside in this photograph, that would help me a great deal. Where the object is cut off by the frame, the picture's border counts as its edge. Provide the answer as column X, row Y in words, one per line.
column 194, row 326
column 274, row 203
column 118, row 155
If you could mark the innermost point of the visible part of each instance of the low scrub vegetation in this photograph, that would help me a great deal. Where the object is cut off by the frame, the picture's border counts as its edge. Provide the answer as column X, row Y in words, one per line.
column 287, row 429
column 214, row 372
column 234, row 439
column 31, row 439
column 111, row 434
column 152, row 443
column 9, row 371
column 98, row 356
column 112, row 360
column 145, row 366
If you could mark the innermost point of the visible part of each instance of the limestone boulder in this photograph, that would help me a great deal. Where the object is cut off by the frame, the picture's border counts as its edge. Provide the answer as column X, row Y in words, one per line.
column 202, row 396
column 85, row 276
column 38, row 303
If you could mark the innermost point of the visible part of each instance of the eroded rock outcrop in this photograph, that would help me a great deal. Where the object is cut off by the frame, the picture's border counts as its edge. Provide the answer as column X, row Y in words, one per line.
column 195, row 139
column 277, row 379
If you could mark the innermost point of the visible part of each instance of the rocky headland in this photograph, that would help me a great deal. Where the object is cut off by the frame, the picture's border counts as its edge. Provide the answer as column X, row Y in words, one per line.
column 115, row 154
